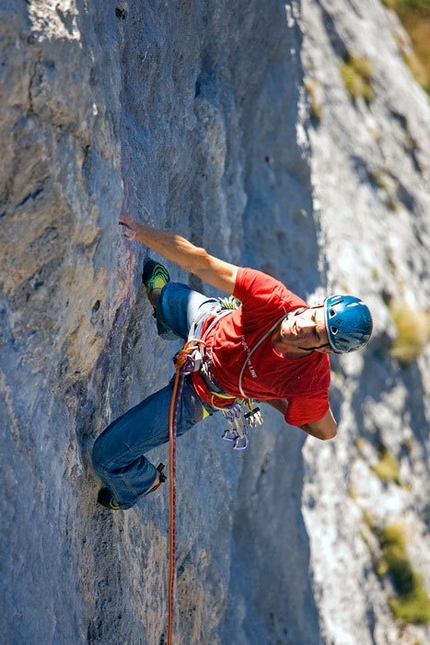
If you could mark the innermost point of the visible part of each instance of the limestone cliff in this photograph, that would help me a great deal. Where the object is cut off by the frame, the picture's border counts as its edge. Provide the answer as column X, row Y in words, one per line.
column 234, row 127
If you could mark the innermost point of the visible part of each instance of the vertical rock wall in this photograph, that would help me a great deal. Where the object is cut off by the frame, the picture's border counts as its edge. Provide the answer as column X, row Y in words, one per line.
column 371, row 171
column 204, row 104
column 60, row 189
column 194, row 115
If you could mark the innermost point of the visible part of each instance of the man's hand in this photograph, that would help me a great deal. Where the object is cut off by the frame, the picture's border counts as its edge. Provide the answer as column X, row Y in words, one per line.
column 127, row 226
column 177, row 249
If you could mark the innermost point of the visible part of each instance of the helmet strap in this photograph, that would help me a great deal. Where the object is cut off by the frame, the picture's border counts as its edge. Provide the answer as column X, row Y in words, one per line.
column 312, row 349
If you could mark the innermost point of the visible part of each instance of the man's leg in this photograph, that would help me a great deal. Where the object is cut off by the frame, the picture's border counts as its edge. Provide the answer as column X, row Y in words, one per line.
column 177, row 306
column 118, row 453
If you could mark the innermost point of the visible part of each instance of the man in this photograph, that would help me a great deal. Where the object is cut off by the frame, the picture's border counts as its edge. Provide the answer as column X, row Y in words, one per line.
column 272, row 348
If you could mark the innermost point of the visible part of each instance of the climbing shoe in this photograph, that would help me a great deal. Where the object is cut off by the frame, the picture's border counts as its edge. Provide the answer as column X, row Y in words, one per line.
column 106, row 499
column 154, row 276
column 161, row 480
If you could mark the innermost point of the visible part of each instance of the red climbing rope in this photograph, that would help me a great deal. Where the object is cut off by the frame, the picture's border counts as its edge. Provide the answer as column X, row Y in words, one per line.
column 184, row 365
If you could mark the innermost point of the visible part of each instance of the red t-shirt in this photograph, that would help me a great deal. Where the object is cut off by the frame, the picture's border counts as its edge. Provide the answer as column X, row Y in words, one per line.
column 244, row 370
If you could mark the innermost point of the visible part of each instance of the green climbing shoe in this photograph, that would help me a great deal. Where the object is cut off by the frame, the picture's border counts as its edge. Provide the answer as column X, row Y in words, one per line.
column 106, row 499
column 154, row 276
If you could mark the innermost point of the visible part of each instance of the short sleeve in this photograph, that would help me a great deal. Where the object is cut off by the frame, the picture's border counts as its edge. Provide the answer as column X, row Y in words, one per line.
column 306, row 409
column 256, row 289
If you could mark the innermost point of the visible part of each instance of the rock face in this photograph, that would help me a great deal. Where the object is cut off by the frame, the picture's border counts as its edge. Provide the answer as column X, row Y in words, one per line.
column 194, row 115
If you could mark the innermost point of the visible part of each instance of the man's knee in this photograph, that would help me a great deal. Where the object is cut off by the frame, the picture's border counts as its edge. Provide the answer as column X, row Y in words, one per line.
column 100, row 456
column 168, row 313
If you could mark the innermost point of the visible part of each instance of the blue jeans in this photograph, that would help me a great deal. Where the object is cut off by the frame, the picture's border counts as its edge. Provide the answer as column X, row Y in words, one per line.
column 118, row 453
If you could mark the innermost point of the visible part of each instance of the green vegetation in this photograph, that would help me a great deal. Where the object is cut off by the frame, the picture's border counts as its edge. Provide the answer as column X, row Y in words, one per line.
column 375, row 274
column 407, row 5
column 387, row 184
column 415, row 17
column 379, row 178
column 408, row 445
column 413, row 332
column 411, row 603
column 388, row 467
column 357, row 75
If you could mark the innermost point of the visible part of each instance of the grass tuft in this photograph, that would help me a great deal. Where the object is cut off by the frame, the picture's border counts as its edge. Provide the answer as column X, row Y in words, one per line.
column 388, row 467
column 411, row 603
column 357, row 76
column 413, row 332
column 315, row 107
column 415, row 17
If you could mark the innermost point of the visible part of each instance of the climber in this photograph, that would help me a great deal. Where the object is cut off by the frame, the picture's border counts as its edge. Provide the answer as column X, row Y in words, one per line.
column 273, row 347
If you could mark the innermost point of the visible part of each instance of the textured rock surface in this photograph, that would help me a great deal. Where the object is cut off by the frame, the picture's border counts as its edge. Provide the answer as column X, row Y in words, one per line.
column 371, row 170
column 195, row 115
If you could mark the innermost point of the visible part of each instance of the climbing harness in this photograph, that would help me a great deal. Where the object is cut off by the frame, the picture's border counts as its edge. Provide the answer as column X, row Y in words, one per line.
column 184, row 364
column 240, row 413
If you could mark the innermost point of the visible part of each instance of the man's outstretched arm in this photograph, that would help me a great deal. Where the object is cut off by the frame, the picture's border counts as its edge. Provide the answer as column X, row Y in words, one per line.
column 325, row 428
column 177, row 249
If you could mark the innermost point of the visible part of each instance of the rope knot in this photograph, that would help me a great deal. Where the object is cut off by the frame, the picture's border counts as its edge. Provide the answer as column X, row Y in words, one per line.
column 189, row 358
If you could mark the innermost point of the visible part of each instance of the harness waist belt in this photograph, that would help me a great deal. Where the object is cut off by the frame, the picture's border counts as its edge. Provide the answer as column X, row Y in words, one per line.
column 204, row 383
column 209, row 380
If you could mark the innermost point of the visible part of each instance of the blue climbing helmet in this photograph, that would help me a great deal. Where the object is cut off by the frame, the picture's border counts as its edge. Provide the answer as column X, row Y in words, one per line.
column 348, row 322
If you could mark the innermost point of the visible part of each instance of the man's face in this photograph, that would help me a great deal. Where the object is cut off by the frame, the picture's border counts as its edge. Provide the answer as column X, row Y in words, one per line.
column 306, row 330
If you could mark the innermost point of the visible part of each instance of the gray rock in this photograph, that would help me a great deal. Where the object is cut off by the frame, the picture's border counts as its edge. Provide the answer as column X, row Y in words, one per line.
column 195, row 118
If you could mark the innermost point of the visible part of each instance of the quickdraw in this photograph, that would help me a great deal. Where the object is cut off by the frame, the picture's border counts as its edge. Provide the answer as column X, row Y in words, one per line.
column 239, row 422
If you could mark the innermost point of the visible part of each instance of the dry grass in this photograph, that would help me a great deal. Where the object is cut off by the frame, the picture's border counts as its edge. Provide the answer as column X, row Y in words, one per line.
column 357, row 76
column 415, row 17
column 388, row 467
column 311, row 87
column 413, row 332
column 411, row 603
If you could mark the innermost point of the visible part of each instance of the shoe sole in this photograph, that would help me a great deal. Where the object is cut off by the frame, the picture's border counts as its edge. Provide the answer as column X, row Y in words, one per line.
column 154, row 276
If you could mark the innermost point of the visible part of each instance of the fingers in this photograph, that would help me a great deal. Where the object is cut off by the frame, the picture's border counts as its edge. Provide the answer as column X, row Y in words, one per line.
column 127, row 226
column 125, row 218
column 128, row 232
